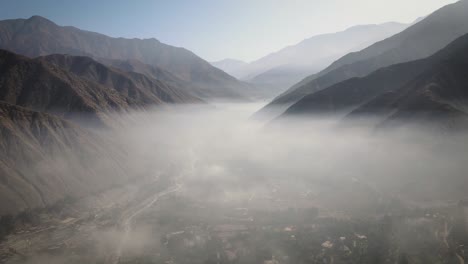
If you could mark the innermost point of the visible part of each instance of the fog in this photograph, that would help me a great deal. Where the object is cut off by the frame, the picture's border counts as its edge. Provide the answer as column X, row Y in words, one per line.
column 196, row 170
column 223, row 160
column 225, row 149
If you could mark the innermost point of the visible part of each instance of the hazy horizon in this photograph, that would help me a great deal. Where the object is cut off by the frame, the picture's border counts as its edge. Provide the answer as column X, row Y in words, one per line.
column 216, row 30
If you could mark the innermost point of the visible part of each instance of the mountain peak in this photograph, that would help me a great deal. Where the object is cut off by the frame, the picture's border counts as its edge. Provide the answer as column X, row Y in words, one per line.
column 37, row 18
column 36, row 21
column 416, row 42
column 38, row 36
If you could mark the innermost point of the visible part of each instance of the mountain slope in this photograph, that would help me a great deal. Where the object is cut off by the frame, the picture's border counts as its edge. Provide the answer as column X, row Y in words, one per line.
column 148, row 70
column 343, row 97
column 318, row 52
column 38, row 36
column 418, row 41
column 439, row 95
column 78, row 88
column 427, row 90
column 131, row 83
column 44, row 159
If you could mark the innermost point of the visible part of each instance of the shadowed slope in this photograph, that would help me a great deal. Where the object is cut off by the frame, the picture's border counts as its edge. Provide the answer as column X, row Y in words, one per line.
column 418, row 41
column 78, row 87
column 432, row 89
column 38, row 36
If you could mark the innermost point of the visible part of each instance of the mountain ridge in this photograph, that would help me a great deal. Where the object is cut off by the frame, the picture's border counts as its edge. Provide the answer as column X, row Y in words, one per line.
column 316, row 52
column 416, row 42
column 88, row 92
column 426, row 90
column 46, row 37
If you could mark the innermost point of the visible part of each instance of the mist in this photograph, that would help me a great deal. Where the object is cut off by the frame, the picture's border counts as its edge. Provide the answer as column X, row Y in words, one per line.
column 338, row 142
column 182, row 162
column 224, row 147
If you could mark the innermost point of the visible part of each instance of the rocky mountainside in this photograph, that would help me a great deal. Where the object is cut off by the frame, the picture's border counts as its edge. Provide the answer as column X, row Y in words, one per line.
column 416, row 42
column 431, row 89
column 437, row 96
column 44, row 159
column 38, row 36
column 148, row 70
column 129, row 82
column 47, row 152
column 79, row 88
column 343, row 97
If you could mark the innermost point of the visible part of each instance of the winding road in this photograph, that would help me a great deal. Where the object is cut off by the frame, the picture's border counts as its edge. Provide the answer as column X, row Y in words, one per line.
column 461, row 260
column 131, row 214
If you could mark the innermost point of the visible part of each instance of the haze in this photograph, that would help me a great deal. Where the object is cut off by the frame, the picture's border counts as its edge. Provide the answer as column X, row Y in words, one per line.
column 222, row 168
column 215, row 30
column 341, row 138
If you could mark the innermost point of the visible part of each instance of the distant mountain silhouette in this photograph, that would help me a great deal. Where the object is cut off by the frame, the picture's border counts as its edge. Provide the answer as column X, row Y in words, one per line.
column 429, row 90
column 418, row 41
column 79, row 88
column 38, row 36
column 291, row 64
column 230, row 66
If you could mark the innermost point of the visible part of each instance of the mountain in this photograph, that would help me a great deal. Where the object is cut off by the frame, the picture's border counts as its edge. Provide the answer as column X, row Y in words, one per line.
column 148, row 70
column 229, row 65
column 131, row 83
column 437, row 96
column 427, row 90
column 343, row 97
column 416, row 42
column 295, row 62
column 38, row 36
column 44, row 159
column 79, row 88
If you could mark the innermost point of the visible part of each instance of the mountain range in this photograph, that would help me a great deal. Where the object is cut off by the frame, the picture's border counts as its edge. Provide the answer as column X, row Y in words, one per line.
column 416, row 42
column 52, row 109
column 79, row 88
column 61, row 86
column 38, row 36
column 281, row 69
column 427, row 90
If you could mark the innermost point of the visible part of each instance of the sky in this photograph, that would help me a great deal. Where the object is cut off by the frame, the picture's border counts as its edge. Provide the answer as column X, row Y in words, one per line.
column 218, row 29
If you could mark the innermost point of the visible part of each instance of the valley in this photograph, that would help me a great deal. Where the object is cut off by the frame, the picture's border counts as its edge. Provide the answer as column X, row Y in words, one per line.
column 234, row 132
column 209, row 201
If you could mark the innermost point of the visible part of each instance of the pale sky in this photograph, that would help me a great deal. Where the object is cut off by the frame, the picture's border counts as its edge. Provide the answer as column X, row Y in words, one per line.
column 218, row 29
